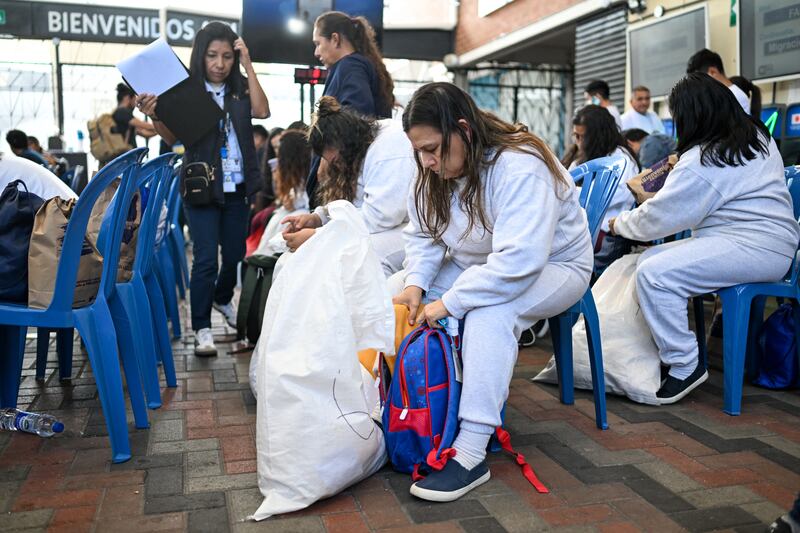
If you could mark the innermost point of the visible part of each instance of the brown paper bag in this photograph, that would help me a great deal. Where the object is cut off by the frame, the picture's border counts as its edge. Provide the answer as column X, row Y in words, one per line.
column 130, row 234
column 47, row 238
column 647, row 183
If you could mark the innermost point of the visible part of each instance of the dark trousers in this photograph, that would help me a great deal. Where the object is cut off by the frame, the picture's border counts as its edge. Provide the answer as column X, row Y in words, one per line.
column 795, row 511
column 214, row 227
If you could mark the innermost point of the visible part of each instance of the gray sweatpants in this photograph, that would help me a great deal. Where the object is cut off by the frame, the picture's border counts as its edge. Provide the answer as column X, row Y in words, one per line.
column 491, row 333
column 669, row 274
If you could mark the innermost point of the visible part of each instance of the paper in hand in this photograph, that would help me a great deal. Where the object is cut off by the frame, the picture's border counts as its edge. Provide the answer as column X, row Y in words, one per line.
column 154, row 70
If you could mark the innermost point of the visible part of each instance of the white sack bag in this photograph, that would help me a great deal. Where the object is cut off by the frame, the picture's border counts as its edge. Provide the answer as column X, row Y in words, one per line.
column 630, row 357
column 314, row 433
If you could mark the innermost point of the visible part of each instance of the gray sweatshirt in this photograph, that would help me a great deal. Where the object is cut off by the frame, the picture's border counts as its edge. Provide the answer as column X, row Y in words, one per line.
column 749, row 204
column 531, row 225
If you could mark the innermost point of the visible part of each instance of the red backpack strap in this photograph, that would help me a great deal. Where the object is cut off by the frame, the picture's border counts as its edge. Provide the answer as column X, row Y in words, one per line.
column 415, row 475
column 527, row 471
column 444, row 456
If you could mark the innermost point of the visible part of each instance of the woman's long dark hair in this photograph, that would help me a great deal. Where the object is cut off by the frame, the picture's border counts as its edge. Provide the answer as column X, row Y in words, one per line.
column 753, row 93
column 359, row 32
column 350, row 134
column 441, row 106
column 707, row 114
column 216, row 31
column 602, row 135
column 294, row 161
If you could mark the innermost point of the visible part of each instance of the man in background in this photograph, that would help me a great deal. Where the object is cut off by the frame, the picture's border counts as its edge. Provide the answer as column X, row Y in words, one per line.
column 639, row 116
column 710, row 63
column 18, row 142
column 598, row 93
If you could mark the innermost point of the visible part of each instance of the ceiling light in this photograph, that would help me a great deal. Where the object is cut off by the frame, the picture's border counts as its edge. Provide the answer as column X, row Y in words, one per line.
column 296, row 25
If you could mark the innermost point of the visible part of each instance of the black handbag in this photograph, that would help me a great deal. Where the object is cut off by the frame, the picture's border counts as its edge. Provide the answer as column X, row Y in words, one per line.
column 17, row 213
column 198, row 184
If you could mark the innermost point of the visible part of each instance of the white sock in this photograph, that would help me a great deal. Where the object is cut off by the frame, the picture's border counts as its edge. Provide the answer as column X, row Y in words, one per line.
column 470, row 448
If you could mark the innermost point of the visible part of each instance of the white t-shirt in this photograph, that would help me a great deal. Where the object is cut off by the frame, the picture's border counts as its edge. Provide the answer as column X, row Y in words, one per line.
column 648, row 122
column 615, row 113
column 38, row 179
column 234, row 152
column 740, row 95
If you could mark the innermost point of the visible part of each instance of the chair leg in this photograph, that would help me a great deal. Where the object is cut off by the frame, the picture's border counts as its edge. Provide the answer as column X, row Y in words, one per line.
column 592, row 322
column 752, row 352
column 156, row 298
column 166, row 278
column 96, row 327
column 735, row 320
column 796, row 316
column 175, row 263
column 700, row 329
column 64, row 348
column 180, row 247
column 42, row 349
column 12, row 348
column 135, row 319
column 561, row 334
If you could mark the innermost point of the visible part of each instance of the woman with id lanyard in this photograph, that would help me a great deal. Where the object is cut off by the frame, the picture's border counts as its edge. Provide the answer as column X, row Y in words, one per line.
column 216, row 57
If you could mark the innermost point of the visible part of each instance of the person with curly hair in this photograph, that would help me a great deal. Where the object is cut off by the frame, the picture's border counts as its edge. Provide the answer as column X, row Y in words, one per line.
column 369, row 163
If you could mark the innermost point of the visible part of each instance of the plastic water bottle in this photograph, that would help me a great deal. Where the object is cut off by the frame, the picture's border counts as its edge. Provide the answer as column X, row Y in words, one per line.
column 43, row 425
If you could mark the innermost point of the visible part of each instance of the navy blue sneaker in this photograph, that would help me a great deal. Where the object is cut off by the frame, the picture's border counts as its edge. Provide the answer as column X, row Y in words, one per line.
column 451, row 482
column 673, row 389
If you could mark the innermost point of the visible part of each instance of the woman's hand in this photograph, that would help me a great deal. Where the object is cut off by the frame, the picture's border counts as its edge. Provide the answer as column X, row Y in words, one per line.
column 244, row 53
column 297, row 238
column 432, row 313
column 147, row 104
column 611, row 226
column 298, row 222
column 410, row 297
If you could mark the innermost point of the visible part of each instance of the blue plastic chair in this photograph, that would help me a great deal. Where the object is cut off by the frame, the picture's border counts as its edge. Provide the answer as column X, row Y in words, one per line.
column 743, row 313
column 175, row 240
column 93, row 322
column 600, row 179
column 134, row 317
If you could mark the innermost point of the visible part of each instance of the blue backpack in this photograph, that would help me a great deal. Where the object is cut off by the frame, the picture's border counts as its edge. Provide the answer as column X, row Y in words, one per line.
column 778, row 361
column 420, row 412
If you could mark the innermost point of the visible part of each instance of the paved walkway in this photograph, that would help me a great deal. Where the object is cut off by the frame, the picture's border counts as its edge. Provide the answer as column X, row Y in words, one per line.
column 662, row 469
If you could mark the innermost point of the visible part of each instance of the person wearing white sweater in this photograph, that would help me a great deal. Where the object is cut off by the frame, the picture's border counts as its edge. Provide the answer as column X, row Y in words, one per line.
column 497, row 238
column 728, row 187
column 369, row 163
column 597, row 135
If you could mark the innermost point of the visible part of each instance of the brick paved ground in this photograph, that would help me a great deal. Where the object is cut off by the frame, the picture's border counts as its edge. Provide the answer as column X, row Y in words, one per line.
column 657, row 469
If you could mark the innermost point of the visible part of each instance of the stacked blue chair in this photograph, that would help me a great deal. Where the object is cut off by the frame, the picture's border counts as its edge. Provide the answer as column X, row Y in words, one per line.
column 600, row 178
column 743, row 314
column 134, row 317
column 93, row 322
column 168, row 261
column 175, row 240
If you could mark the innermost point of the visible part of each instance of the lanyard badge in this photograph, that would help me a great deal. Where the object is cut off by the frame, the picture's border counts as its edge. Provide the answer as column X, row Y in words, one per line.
column 230, row 162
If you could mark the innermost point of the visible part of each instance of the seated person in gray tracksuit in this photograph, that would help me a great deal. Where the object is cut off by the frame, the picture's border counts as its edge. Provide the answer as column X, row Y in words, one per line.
column 496, row 230
column 729, row 189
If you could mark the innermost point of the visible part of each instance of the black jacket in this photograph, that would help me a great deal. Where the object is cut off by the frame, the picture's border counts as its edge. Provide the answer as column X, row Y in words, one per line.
column 353, row 81
column 207, row 149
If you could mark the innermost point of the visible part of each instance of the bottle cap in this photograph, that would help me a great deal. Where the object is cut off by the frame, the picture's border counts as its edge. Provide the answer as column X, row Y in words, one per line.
column 58, row 427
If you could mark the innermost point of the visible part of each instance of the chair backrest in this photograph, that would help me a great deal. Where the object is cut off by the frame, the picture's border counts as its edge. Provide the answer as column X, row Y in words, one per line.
column 600, row 179
column 792, row 174
column 174, row 198
column 155, row 174
column 124, row 167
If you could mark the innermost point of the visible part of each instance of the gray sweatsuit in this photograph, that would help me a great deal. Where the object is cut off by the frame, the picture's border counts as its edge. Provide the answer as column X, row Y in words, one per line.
column 744, row 231
column 533, row 262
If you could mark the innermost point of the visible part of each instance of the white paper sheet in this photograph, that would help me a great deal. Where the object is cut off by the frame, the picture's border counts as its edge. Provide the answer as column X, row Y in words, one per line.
column 154, row 70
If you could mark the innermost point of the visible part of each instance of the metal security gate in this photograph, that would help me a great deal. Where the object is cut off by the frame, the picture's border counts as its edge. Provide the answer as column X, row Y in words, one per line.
column 600, row 50
column 536, row 98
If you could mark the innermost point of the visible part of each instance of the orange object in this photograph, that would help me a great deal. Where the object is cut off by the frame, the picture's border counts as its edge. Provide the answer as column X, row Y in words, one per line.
column 401, row 331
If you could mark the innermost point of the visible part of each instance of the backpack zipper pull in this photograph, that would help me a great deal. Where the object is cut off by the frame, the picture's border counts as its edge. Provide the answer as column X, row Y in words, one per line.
column 404, row 413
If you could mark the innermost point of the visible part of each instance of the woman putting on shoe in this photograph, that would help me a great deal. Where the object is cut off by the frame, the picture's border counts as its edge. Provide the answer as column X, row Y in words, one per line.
column 496, row 230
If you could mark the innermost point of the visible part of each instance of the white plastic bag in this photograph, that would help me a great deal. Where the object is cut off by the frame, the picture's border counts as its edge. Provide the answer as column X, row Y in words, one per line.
column 314, row 433
column 630, row 357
